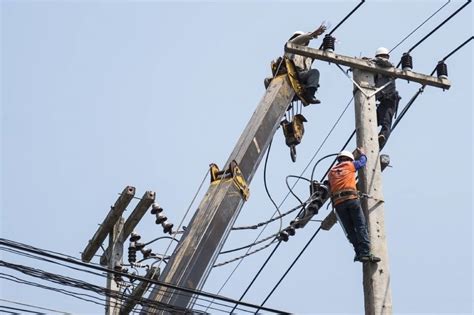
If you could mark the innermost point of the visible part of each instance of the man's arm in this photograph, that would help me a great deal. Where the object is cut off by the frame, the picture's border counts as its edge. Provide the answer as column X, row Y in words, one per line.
column 361, row 161
column 307, row 37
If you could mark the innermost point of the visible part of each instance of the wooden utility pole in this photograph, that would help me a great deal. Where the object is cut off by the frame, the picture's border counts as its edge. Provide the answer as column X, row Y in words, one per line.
column 377, row 292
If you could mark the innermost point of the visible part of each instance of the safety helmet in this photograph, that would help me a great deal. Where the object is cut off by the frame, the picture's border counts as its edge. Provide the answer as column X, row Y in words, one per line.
column 296, row 34
column 346, row 154
column 382, row 51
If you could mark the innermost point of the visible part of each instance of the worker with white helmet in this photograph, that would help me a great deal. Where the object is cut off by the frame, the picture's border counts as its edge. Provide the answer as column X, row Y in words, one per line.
column 309, row 77
column 345, row 199
column 388, row 97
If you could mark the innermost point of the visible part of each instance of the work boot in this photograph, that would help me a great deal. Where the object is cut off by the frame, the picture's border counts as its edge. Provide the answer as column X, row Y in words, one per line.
column 309, row 95
column 313, row 100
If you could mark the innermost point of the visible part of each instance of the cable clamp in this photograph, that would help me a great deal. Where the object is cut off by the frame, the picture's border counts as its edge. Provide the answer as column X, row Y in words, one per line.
column 232, row 173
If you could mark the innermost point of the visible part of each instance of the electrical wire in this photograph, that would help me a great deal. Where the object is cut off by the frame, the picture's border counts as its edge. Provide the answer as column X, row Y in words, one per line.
column 256, row 275
column 414, row 97
column 247, row 246
column 437, row 27
column 289, row 268
column 185, row 215
column 188, row 291
column 256, row 226
column 423, row 23
column 34, row 306
column 266, row 186
column 245, row 255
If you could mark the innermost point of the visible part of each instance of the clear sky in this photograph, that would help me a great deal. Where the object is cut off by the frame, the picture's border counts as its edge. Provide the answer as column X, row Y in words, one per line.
column 97, row 95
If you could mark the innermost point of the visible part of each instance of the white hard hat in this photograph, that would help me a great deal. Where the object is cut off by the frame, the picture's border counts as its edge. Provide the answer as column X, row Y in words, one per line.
column 346, row 154
column 296, row 34
column 381, row 51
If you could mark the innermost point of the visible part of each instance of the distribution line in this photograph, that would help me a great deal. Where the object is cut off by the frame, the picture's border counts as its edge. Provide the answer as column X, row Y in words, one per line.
column 437, row 28
column 289, row 268
column 37, row 251
column 412, row 100
column 35, row 306
column 423, row 23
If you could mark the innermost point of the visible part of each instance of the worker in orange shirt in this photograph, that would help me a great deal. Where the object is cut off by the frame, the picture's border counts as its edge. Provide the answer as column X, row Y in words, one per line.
column 345, row 199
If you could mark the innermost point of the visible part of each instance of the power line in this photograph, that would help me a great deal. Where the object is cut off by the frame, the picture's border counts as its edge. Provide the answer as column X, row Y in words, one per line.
column 258, row 273
column 289, row 268
column 32, row 249
column 423, row 23
column 35, row 306
column 415, row 96
column 437, row 27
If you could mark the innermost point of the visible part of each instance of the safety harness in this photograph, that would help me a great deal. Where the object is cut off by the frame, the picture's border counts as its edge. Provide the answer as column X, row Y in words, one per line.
column 342, row 195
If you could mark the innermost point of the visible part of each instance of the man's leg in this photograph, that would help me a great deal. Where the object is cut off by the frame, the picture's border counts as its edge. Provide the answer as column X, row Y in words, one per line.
column 344, row 218
column 310, row 80
column 360, row 227
column 387, row 110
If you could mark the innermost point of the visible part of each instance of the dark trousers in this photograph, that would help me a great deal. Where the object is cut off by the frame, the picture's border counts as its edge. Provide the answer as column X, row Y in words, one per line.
column 310, row 78
column 353, row 221
column 385, row 112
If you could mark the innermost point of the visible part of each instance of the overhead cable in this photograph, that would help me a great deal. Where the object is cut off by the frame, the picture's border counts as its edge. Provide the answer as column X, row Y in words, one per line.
column 423, row 23
column 438, row 27
column 414, row 97
column 20, row 246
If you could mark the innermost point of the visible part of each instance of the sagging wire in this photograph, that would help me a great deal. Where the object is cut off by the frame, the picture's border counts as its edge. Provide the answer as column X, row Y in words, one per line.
column 266, row 186
column 256, row 226
column 187, row 291
column 246, row 254
column 291, row 190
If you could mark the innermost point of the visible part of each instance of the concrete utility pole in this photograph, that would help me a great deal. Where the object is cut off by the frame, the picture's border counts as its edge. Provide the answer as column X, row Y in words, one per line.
column 377, row 292
column 202, row 241
column 112, row 306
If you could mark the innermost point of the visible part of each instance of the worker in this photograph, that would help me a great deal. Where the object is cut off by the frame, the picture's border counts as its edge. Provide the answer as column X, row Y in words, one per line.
column 388, row 97
column 345, row 199
column 308, row 77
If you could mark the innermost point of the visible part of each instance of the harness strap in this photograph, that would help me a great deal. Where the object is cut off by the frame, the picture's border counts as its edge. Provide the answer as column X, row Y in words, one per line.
column 343, row 193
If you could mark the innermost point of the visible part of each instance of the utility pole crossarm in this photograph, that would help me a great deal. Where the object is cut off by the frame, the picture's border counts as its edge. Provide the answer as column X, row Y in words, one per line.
column 107, row 225
column 367, row 65
column 145, row 202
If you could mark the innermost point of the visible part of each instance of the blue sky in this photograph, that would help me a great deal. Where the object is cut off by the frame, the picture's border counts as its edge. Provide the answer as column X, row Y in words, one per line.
column 97, row 95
